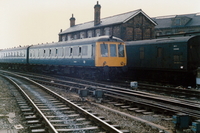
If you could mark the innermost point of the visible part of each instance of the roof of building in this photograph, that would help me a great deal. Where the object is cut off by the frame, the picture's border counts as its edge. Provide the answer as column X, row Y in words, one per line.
column 186, row 20
column 120, row 18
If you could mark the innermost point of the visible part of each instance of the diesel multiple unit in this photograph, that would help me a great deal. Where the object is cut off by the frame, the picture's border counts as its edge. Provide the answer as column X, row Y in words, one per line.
column 95, row 57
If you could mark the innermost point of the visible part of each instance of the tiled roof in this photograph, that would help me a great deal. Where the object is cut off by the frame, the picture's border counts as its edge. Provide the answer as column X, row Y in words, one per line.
column 166, row 21
column 121, row 18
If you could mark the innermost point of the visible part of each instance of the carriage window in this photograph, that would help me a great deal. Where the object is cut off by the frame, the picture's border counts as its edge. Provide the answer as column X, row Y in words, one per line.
column 44, row 53
column 113, row 52
column 56, row 52
column 67, row 51
column 84, row 50
column 71, row 50
column 33, row 53
column 62, row 52
column 79, row 54
column 49, row 52
column 104, row 50
column 75, row 51
column 121, row 50
column 141, row 52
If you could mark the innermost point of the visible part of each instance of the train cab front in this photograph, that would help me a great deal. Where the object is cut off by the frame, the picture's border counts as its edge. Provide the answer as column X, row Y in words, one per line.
column 111, row 57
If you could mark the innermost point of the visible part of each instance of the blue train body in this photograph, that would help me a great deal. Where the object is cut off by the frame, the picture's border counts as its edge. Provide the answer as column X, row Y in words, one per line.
column 83, row 57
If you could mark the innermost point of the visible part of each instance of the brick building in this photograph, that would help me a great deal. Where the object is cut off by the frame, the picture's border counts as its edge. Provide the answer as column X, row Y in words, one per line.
column 177, row 24
column 134, row 25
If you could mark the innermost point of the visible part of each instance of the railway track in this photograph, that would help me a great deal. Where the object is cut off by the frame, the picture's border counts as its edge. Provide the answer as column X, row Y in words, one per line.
column 150, row 101
column 178, row 91
column 46, row 111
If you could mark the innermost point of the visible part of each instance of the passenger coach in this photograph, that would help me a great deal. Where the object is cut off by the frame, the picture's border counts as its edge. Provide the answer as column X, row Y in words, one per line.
column 14, row 57
column 96, row 57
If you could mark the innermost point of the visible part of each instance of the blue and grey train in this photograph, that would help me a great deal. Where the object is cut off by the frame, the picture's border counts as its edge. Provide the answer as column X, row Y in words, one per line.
column 103, row 56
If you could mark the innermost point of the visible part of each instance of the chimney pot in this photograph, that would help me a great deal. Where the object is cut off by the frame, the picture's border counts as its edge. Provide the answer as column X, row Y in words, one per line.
column 72, row 21
column 97, row 9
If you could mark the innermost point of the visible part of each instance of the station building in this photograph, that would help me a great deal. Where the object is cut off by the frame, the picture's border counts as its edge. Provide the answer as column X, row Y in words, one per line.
column 177, row 24
column 130, row 26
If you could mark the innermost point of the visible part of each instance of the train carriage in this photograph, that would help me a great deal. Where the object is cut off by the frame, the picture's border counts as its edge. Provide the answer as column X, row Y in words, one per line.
column 85, row 57
column 173, row 59
column 14, row 57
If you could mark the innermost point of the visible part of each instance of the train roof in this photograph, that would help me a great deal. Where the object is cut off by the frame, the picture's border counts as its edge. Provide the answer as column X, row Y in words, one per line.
column 14, row 49
column 161, row 40
column 80, row 41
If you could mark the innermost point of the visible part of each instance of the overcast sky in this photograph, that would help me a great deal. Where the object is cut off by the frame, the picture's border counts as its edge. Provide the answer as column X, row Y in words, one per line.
column 26, row 22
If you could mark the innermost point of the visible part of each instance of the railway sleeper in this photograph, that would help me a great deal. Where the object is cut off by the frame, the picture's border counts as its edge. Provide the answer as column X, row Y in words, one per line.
column 35, row 126
column 116, row 126
column 38, row 131
column 30, row 117
column 57, row 106
column 78, row 129
column 56, row 109
column 69, row 120
column 65, row 125
column 72, row 115
column 27, row 114
column 33, row 122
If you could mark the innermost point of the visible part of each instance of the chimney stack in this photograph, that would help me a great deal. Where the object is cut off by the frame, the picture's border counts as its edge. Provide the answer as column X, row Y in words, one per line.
column 97, row 9
column 72, row 21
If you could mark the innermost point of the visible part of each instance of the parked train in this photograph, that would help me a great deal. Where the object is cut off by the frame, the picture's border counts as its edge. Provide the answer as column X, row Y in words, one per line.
column 171, row 59
column 98, row 57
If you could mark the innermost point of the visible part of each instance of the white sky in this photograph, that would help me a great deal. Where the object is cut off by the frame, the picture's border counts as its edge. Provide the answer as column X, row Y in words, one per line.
column 26, row 22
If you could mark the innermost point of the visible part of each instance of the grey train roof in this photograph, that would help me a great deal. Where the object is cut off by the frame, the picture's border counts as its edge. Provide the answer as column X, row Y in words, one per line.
column 79, row 41
column 161, row 40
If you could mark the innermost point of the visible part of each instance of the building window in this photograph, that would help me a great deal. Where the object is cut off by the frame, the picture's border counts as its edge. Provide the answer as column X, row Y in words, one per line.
column 69, row 37
column 82, row 35
column 97, row 32
column 177, row 21
column 75, row 37
column 107, row 31
column 63, row 38
column 89, row 34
